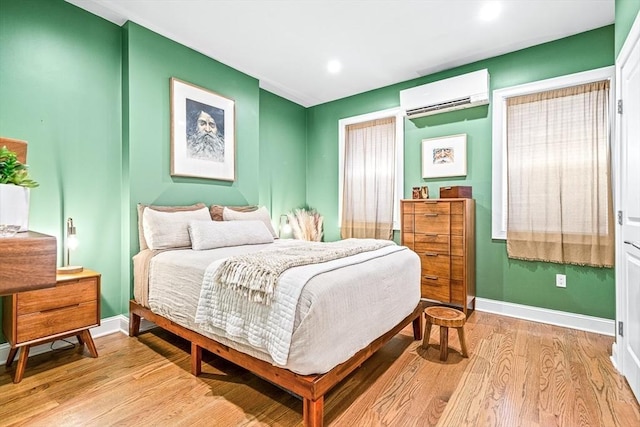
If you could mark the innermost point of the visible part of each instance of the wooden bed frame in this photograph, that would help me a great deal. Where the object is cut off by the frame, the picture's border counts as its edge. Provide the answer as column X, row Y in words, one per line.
column 311, row 388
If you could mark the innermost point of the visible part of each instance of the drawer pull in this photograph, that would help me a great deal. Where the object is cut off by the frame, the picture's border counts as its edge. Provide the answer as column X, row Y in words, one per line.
column 60, row 308
column 431, row 214
column 430, row 202
column 430, row 254
column 431, row 277
column 431, row 234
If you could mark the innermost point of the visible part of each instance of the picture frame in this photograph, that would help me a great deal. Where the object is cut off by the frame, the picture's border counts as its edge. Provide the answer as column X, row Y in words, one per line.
column 444, row 156
column 202, row 133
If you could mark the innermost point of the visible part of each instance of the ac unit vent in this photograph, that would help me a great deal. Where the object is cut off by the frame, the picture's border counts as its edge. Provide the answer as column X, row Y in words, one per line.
column 444, row 106
column 454, row 93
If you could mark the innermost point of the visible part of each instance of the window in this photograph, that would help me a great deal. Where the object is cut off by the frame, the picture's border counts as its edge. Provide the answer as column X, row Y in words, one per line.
column 370, row 172
column 551, row 169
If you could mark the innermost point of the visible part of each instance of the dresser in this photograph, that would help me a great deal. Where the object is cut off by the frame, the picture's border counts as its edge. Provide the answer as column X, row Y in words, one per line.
column 67, row 309
column 442, row 233
column 27, row 262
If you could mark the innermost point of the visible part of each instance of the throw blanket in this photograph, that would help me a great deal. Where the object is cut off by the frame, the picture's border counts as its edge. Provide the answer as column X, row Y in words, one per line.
column 226, row 312
column 255, row 275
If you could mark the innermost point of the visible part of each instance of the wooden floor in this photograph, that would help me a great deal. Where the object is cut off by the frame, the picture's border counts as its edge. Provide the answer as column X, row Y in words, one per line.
column 519, row 374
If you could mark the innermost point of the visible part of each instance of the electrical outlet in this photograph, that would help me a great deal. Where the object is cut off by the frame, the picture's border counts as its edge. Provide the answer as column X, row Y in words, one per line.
column 561, row 280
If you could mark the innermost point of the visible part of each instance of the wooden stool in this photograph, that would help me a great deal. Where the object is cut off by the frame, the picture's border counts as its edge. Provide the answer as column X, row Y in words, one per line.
column 446, row 318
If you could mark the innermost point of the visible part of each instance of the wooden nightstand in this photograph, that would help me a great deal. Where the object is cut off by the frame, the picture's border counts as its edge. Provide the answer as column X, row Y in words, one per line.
column 34, row 317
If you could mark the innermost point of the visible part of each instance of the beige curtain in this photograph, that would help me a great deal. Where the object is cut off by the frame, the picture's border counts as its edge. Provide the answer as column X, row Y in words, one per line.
column 369, row 176
column 559, row 177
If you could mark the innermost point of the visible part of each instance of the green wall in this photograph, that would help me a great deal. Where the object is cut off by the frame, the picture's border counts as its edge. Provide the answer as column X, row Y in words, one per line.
column 60, row 79
column 589, row 291
column 626, row 12
column 283, row 154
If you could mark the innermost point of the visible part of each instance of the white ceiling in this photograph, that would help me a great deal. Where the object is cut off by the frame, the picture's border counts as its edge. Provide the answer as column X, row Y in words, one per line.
column 286, row 44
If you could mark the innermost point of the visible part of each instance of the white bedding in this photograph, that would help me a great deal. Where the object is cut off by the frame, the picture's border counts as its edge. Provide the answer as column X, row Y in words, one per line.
column 339, row 312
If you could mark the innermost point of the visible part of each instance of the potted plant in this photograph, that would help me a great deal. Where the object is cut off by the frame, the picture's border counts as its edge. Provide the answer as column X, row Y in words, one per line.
column 15, row 183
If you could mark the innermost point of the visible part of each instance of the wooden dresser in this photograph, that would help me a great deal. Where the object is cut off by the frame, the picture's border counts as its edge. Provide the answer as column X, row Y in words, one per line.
column 442, row 233
column 69, row 308
column 27, row 262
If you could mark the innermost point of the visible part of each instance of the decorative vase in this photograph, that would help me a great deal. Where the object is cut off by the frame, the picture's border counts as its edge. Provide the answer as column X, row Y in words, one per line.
column 14, row 205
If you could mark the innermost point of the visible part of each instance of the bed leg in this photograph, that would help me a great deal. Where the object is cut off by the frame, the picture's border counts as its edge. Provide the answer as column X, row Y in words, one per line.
column 417, row 328
column 312, row 412
column 134, row 324
column 196, row 359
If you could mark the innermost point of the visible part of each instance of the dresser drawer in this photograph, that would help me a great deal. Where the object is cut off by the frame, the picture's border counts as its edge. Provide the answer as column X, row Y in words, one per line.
column 435, row 264
column 432, row 243
column 59, row 320
column 432, row 223
column 457, row 267
column 435, row 288
column 432, row 208
column 407, row 223
column 62, row 295
column 457, row 225
column 457, row 292
column 457, row 247
column 408, row 240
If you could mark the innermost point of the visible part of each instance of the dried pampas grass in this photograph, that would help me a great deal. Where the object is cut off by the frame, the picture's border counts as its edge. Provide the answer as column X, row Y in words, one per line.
column 306, row 224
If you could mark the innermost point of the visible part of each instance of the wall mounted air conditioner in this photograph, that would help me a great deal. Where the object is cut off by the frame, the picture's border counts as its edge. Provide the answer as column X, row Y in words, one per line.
column 455, row 93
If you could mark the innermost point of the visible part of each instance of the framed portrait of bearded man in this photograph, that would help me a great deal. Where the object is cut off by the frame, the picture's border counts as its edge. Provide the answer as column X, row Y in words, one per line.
column 202, row 133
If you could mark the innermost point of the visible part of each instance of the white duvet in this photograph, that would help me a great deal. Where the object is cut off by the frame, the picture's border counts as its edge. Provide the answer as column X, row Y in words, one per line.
column 338, row 312
column 268, row 327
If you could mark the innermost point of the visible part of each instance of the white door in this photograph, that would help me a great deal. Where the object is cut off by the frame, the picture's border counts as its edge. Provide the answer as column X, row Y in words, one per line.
column 628, row 228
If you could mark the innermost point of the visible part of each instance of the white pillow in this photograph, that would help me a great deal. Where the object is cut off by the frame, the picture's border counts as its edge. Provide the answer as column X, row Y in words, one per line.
column 261, row 214
column 220, row 234
column 166, row 230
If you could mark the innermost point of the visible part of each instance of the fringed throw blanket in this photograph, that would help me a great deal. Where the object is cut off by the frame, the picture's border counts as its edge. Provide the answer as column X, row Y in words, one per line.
column 230, row 309
column 256, row 275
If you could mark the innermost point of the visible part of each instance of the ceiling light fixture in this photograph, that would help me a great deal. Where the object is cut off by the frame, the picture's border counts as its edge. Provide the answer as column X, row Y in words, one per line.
column 334, row 66
column 490, row 11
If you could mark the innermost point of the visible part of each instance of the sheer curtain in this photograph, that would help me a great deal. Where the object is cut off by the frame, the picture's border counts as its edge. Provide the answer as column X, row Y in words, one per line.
column 369, row 174
column 559, row 178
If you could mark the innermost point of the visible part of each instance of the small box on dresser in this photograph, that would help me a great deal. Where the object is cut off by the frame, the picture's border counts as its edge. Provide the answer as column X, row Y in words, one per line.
column 442, row 233
column 456, row 191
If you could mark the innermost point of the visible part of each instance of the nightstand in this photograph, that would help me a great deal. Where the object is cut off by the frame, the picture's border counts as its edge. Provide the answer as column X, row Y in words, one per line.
column 70, row 308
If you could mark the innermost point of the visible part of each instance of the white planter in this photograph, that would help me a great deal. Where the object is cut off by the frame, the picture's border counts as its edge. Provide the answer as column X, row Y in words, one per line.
column 14, row 205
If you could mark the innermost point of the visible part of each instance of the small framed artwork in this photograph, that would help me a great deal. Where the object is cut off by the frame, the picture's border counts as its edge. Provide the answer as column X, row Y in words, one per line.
column 202, row 133
column 444, row 156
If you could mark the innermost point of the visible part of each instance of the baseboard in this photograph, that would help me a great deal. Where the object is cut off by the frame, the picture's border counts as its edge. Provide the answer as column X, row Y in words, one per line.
column 545, row 315
column 614, row 357
column 109, row 325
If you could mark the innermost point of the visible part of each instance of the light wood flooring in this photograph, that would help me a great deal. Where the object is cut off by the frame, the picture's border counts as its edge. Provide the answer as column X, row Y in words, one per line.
column 519, row 374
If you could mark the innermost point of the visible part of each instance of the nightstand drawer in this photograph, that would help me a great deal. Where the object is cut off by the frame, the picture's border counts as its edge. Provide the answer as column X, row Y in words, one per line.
column 59, row 320
column 63, row 295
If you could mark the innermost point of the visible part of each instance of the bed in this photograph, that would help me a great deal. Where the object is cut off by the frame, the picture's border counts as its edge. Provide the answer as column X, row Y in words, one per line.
column 327, row 329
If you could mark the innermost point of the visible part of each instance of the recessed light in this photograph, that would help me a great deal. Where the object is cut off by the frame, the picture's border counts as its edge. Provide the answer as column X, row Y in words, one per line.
column 334, row 66
column 490, row 10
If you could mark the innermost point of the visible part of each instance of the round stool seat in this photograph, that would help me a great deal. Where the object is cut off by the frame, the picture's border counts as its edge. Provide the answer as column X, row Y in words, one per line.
column 446, row 318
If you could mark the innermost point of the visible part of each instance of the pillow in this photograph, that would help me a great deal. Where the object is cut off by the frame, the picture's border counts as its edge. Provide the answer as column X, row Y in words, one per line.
column 166, row 230
column 260, row 214
column 220, row 234
column 216, row 210
column 142, row 207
